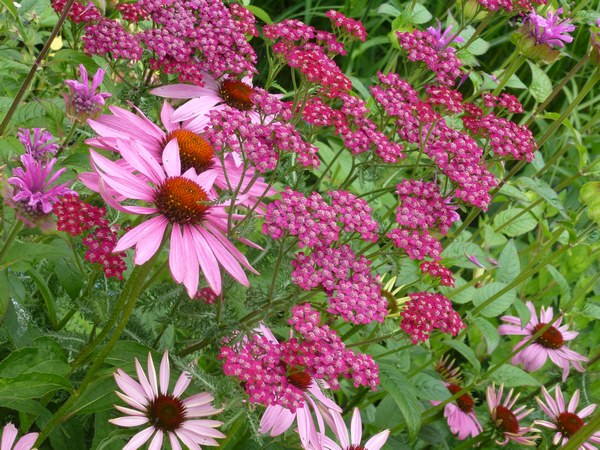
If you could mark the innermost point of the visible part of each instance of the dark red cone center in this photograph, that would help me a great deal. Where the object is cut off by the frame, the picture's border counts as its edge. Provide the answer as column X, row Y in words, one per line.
column 568, row 423
column 508, row 421
column 237, row 94
column 299, row 379
column 166, row 413
column 551, row 338
column 181, row 201
column 464, row 402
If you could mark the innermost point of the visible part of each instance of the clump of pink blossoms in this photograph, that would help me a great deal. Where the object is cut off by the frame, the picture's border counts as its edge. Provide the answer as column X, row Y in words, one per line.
column 425, row 312
column 278, row 373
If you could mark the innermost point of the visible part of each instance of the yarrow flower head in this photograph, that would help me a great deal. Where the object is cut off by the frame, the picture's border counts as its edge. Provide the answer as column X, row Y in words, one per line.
column 506, row 418
column 350, row 439
column 164, row 413
column 565, row 419
column 33, row 194
column 460, row 414
column 425, row 312
column 9, row 434
column 40, row 144
column 349, row 26
column 83, row 102
column 179, row 198
column 551, row 344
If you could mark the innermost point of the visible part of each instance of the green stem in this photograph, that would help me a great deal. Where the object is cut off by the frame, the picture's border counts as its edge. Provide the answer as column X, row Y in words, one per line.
column 508, row 73
column 18, row 226
column 36, row 64
column 131, row 292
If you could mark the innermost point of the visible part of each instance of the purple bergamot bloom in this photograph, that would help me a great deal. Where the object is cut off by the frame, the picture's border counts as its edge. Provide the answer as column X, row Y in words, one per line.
column 83, row 102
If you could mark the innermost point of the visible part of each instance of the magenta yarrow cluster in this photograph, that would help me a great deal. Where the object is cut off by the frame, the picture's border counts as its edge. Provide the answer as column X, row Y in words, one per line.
column 437, row 271
column 278, row 373
column 262, row 142
column 425, row 312
column 354, row 293
column 345, row 24
column 76, row 217
column 188, row 37
column 78, row 12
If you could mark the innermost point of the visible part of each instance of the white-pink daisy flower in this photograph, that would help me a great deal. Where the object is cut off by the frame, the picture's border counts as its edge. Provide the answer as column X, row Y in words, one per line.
column 551, row 344
column 507, row 419
column 214, row 95
column 9, row 435
column 165, row 414
column 277, row 419
column 350, row 440
column 179, row 201
column 460, row 414
column 564, row 419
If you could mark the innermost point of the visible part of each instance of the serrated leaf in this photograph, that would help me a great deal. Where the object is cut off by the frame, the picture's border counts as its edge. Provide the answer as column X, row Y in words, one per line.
column 458, row 296
column 591, row 310
column 388, row 10
column 457, row 253
column 408, row 272
column 511, row 376
column 45, row 357
column 418, row 14
column 565, row 289
column 544, row 190
column 430, row 388
column 404, row 394
column 25, row 251
column 500, row 304
column 516, row 226
column 509, row 265
column 465, row 351
column 69, row 277
column 32, row 385
column 541, row 86
column 489, row 332
column 491, row 238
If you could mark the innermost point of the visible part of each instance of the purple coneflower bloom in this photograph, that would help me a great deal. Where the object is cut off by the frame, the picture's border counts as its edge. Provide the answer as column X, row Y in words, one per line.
column 460, row 414
column 83, row 102
column 32, row 194
column 180, row 201
column 550, row 30
column 41, row 144
column 9, row 434
column 350, row 440
column 445, row 38
column 506, row 419
column 551, row 344
column 565, row 420
column 163, row 412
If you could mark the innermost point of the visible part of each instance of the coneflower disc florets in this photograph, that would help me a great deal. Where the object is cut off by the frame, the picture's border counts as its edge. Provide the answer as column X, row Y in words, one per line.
column 181, row 201
column 237, row 94
column 195, row 151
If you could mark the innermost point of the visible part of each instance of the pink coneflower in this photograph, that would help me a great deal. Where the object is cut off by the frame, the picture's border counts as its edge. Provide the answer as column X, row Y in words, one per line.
column 350, row 440
column 551, row 344
column 460, row 414
column 9, row 434
column 83, row 102
column 164, row 412
column 179, row 199
column 565, row 420
column 195, row 151
column 506, row 419
column 214, row 95
column 33, row 193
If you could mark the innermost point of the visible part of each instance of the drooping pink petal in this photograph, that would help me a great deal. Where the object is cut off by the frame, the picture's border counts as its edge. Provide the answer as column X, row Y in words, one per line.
column 139, row 439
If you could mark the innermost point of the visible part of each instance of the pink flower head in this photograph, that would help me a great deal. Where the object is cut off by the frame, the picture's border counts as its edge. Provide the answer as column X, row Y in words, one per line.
column 551, row 344
column 550, row 30
column 350, row 26
column 83, row 102
column 507, row 419
column 40, row 144
column 164, row 413
column 33, row 194
column 350, row 439
column 9, row 434
column 425, row 312
column 564, row 419
column 179, row 200
column 443, row 39
column 460, row 414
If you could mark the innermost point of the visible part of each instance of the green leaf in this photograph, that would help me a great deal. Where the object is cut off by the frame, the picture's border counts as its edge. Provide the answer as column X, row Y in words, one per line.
column 20, row 252
column 99, row 396
column 32, row 385
column 456, row 254
column 461, row 297
column 260, row 13
column 491, row 238
column 465, row 351
column 69, row 277
column 46, row 357
column 511, row 376
column 11, row 8
column 562, row 282
column 46, row 295
column 4, row 294
column 591, row 310
column 509, row 266
column 430, row 388
column 515, row 226
column 544, row 190
column 489, row 332
column 408, row 272
column 541, row 86
column 405, row 396
column 499, row 305
column 523, row 312
column 418, row 14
